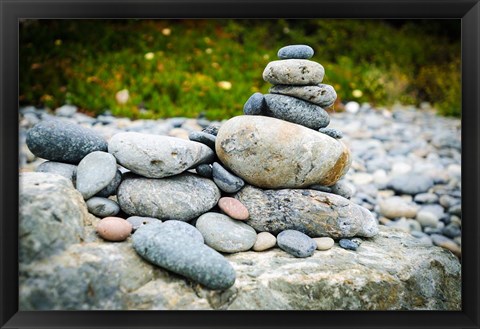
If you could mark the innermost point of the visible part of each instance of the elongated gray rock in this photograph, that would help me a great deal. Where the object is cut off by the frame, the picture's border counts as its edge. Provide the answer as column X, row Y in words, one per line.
column 312, row 212
column 183, row 254
column 225, row 234
column 322, row 95
column 57, row 140
column 295, row 110
column 51, row 215
column 181, row 197
column 293, row 72
column 95, row 172
column 295, row 51
column 272, row 153
column 156, row 156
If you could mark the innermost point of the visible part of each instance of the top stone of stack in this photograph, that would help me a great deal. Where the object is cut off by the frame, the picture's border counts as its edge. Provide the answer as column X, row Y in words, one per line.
column 295, row 52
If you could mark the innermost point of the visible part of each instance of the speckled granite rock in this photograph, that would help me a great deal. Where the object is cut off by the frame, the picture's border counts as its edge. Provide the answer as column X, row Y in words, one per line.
column 181, row 197
column 272, row 153
column 312, row 212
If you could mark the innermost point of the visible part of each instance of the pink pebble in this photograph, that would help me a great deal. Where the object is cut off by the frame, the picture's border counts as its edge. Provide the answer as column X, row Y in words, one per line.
column 114, row 228
column 233, row 208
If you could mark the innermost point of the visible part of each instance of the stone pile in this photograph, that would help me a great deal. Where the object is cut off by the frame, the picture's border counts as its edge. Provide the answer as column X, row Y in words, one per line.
column 270, row 177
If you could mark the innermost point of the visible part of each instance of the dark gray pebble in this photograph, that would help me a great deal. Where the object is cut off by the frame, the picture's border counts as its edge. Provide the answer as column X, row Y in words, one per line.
column 295, row 51
column 111, row 188
column 56, row 140
column 452, row 230
column 204, row 138
column 296, row 243
column 102, row 207
column 332, row 132
column 411, row 183
column 212, row 129
column 226, row 181
column 255, row 105
column 348, row 244
column 178, row 252
column 205, row 170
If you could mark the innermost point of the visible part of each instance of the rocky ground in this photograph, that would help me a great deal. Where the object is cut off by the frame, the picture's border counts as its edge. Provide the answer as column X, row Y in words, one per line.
column 405, row 170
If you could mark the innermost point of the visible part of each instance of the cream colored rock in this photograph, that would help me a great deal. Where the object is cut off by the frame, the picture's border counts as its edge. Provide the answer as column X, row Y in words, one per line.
column 324, row 243
column 272, row 153
column 264, row 241
column 293, row 72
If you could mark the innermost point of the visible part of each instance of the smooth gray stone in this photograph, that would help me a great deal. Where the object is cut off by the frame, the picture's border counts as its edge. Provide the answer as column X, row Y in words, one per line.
column 56, row 140
column 295, row 51
column 255, row 105
column 411, row 183
column 138, row 221
column 64, row 169
column 95, row 172
column 226, row 181
column 273, row 153
column 111, row 188
column 297, row 111
column 181, row 197
column 293, row 72
column 185, row 228
column 102, row 207
column 296, row 243
column 322, row 95
column 205, row 170
column 312, row 212
column 204, row 138
column 225, row 234
column 156, row 156
column 51, row 215
column 332, row 132
column 343, row 188
column 180, row 253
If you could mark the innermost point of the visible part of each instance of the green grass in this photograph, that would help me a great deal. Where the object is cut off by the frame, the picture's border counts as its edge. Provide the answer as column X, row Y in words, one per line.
column 189, row 70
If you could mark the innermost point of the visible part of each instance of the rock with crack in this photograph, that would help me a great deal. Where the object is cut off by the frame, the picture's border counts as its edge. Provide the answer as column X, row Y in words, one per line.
column 312, row 212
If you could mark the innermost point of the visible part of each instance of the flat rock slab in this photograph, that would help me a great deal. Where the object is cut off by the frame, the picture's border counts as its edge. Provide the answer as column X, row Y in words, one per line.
column 181, row 197
column 312, row 212
column 60, row 141
column 156, row 156
column 392, row 271
column 322, row 94
column 272, row 153
column 293, row 72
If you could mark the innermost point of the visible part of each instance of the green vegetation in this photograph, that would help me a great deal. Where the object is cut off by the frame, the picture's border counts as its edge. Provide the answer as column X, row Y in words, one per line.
column 186, row 67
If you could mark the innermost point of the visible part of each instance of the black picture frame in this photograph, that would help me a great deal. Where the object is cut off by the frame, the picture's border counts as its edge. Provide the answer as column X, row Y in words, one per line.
column 12, row 10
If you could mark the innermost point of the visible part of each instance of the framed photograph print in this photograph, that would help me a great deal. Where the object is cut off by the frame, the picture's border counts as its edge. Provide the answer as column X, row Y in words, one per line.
column 239, row 164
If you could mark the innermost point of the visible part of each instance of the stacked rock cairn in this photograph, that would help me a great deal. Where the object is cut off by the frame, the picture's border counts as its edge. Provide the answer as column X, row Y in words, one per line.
column 268, row 178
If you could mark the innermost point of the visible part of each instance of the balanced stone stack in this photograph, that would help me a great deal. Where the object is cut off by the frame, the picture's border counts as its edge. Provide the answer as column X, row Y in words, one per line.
column 266, row 178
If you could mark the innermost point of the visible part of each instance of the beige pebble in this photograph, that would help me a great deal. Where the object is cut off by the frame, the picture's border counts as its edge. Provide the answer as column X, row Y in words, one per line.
column 114, row 228
column 264, row 241
column 233, row 208
column 324, row 243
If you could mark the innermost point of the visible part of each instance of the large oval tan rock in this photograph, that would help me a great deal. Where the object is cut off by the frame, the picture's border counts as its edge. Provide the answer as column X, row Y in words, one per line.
column 294, row 72
column 272, row 153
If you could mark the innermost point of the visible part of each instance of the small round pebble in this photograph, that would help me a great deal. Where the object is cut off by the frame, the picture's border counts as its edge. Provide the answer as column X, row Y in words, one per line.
column 114, row 229
column 332, row 132
column 265, row 240
column 255, row 105
column 324, row 243
column 102, row 207
column 296, row 243
column 138, row 221
column 348, row 244
column 295, row 51
column 233, row 208
column 226, row 181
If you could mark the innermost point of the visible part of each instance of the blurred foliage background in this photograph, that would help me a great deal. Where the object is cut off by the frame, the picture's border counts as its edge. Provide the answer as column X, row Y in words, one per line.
column 166, row 68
